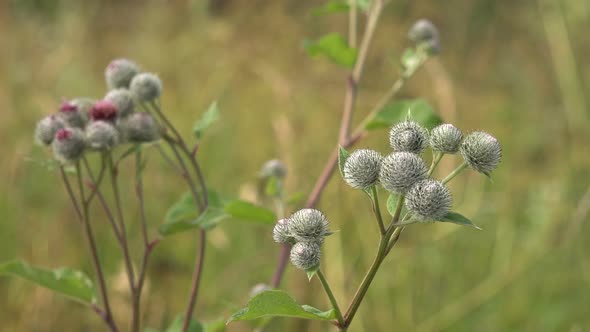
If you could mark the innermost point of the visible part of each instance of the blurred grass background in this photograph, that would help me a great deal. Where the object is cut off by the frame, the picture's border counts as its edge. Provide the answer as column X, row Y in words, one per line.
column 517, row 69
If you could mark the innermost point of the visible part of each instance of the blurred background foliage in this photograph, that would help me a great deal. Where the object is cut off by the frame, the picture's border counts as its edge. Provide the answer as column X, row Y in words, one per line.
column 518, row 69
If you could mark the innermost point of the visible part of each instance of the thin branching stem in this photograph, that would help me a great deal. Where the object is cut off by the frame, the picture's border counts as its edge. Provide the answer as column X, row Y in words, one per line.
column 136, row 301
column 379, row 257
column 345, row 139
column 455, row 172
column 436, row 158
column 123, row 232
column 82, row 213
column 201, row 203
column 103, row 201
column 377, row 210
column 331, row 297
column 96, row 183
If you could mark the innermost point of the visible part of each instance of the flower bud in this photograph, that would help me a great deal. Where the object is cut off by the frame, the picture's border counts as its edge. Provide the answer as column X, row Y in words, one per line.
column 146, row 87
column 305, row 255
column 101, row 135
column 400, row 171
column 123, row 101
column 408, row 136
column 446, row 138
column 140, row 127
column 71, row 115
column 424, row 33
column 46, row 129
column 119, row 73
column 68, row 144
column 273, row 168
column 429, row 200
column 308, row 225
column 103, row 110
column 481, row 151
column 280, row 232
column 361, row 168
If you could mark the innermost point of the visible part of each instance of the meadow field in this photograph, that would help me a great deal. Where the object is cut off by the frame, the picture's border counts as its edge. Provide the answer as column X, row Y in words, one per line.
column 517, row 69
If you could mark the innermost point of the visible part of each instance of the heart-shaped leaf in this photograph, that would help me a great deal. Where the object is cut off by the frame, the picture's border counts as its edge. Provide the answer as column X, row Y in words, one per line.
column 333, row 47
column 65, row 281
column 276, row 303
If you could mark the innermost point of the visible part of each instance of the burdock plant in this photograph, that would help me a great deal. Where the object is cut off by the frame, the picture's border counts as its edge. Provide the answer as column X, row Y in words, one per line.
column 91, row 140
column 414, row 196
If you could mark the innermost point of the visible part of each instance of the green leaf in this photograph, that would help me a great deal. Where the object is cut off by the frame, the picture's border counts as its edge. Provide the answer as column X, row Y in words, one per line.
column 397, row 111
column 331, row 7
column 215, row 326
column 340, row 7
column 207, row 220
column 206, row 120
column 178, row 322
column 459, row 219
column 335, row 48
column 342, row 156
column 184, row 209
column 312, row 272
column 392, row 203
column 363, row 4
column 276, row 303
column 250, row 212
column 65, row 281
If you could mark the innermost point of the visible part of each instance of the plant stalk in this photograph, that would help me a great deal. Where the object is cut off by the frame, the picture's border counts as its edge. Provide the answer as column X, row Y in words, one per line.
column 84, row 220
column 330, row 295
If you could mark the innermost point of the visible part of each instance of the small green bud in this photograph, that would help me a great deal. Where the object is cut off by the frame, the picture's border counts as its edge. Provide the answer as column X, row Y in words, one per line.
column 400, row 171
column 68, row 145
column 361, row 168
column 446, row 138
column 280, row 232
column 46, row 129
column 146, row 87
column 102, row 135
column 429, row 200
column 308, row 225
column 425, row 34
column 140, row 127
column 481, row 151
column 305, row 255
column 119, row 73
column 123, row 101
column 408, row 136
column 274, row 168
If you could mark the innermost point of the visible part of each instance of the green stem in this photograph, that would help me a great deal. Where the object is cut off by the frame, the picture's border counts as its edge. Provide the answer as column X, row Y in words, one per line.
column 377, row 210
column 394, row 237
column 455, row 172
column 379, row 257
column 435, row 160
column 333, row 301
